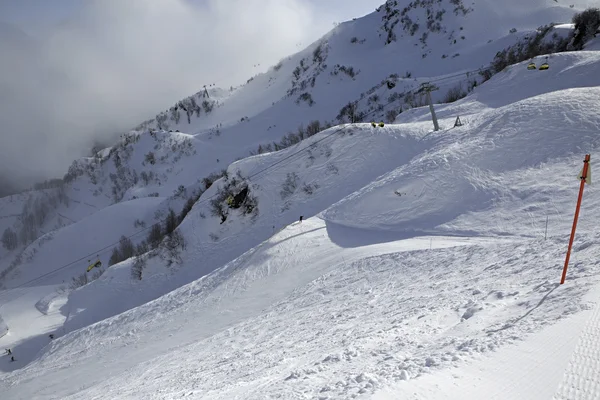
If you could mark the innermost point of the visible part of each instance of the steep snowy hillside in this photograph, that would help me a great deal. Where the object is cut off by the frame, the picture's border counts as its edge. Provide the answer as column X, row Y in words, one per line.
column 367, row 69
column 139, row 168
column 3, row 327
column 352, row 301
column 328, row 167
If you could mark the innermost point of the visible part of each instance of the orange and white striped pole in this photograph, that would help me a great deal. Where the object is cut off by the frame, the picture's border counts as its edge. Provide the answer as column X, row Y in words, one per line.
column 584, row 179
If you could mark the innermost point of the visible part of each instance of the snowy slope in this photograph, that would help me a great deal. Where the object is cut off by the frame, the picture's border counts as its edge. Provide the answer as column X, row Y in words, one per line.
column 339, row 162
column 97, row 231
column 426, row 39
column 329, row 321
column 464, row 177
column 354, row 301
column 94, row 189
column 455, row 183
column 231, row 124
column 530, row 368
column 31, row 315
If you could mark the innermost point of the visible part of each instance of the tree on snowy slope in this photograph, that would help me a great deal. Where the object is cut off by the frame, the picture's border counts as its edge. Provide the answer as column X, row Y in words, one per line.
column 530, row 47
column 171, row 222
column 586, row 26
column 138, row 267
column 9, row 239
column 187, row 207
column 175, row 115
column 124, row 251
column 155, row 236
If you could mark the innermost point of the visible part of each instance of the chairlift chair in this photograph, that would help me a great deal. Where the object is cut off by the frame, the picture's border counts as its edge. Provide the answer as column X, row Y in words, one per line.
column 96, row 264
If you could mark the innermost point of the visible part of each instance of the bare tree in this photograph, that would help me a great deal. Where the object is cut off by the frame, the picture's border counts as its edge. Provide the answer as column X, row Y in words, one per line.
column 9, row 239
column 155, row 236
column 78, row 281
column 171, row 222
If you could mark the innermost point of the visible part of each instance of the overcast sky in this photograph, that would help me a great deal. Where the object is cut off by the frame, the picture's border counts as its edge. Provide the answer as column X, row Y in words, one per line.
column 103, row 66
column 37, row 16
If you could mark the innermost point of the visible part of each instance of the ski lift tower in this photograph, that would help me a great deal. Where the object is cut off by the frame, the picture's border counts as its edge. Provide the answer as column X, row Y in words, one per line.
column 427, row 88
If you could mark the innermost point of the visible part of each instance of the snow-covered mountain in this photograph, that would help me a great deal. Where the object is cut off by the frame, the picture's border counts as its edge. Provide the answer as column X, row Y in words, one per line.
column 372, row 60
column 418, row 250
column 368, row 69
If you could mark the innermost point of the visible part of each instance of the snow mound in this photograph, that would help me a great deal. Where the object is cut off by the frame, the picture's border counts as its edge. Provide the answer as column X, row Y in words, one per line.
column 47, row 304
column 468, row 169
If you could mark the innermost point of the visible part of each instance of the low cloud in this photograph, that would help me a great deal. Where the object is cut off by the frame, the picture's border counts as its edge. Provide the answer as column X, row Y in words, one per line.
column 116, row 63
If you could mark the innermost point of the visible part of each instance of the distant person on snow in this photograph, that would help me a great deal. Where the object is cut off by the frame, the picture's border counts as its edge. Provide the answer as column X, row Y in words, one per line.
column 12, row 358
column 8, row 351
column 301, row 217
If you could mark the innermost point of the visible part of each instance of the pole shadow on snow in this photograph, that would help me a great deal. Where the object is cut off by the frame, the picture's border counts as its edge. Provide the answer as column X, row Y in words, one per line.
column 295, row 236
column 510, row 324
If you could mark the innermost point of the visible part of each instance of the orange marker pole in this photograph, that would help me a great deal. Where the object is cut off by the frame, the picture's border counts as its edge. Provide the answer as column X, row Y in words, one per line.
column 583, row 177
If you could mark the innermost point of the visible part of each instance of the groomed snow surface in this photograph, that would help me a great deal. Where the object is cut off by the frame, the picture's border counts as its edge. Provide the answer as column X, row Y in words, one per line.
column 427, row 267
column 302, row 317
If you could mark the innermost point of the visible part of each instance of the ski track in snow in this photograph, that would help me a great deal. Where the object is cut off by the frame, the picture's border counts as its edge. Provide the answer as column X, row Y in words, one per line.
column 524, row 370
column 582, row 377
column 362, row 324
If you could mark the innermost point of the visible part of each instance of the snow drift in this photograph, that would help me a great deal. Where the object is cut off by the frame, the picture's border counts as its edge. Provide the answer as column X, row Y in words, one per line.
column 467, row 170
